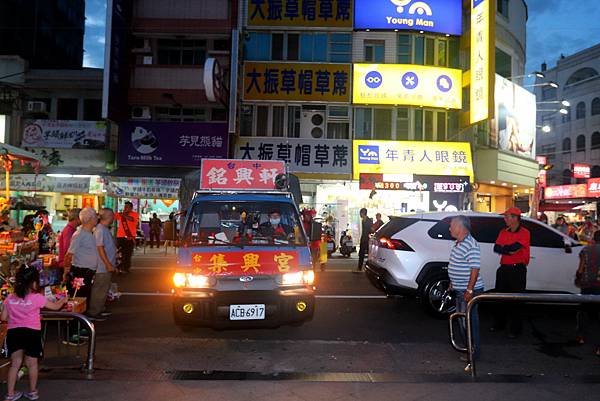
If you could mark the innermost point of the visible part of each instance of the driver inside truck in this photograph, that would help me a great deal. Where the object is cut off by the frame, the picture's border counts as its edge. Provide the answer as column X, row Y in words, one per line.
column 274, row 227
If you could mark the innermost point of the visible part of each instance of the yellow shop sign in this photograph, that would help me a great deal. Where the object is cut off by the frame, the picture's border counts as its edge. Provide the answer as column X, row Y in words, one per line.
column 412, row 157
column 407, row 84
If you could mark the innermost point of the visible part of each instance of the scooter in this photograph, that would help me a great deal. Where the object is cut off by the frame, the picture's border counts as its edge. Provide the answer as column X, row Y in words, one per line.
column 346, row 244
column 328, row 237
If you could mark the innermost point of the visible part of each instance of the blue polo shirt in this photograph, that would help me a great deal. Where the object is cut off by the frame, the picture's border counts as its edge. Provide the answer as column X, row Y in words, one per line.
column 464, row 256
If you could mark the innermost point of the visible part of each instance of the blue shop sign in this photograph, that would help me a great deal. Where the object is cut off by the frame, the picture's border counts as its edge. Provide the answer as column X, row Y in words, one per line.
column 439, row 16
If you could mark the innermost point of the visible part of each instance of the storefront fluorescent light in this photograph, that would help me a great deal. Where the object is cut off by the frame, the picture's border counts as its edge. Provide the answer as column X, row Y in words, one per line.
column 397, row 177
column 60, row 175
column 83, row 175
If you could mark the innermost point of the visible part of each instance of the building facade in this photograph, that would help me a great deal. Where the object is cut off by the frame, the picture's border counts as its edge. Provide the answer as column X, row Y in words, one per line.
column 55, row 114
column 574, row 138
column 48, row 34
column 285, row 115
column 161, row 121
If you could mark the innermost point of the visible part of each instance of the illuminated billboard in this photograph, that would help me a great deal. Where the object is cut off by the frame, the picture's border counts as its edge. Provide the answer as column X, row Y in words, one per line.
column 513, row 128
column 412, row 157
column 482, row 59
column 407, row 84
column 439, row 16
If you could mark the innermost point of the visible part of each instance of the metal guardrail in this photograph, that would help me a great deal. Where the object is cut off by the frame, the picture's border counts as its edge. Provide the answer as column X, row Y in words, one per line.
column 509, row 297
column 89, row 365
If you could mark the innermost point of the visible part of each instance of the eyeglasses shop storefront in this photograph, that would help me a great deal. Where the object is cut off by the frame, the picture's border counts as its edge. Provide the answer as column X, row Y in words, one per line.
column 396, row 177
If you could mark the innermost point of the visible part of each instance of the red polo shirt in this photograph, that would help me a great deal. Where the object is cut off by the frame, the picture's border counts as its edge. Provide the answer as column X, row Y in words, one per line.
column 507, row 237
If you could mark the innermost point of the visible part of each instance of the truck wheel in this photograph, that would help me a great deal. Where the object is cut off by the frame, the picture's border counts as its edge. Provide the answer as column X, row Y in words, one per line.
column 434, row 297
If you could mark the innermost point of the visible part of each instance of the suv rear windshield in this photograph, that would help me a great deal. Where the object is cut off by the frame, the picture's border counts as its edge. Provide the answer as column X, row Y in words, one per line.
column 244, row 223
column 393, row 226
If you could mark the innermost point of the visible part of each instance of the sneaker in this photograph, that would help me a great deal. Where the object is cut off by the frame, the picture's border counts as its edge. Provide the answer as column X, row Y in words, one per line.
column 33, row 395
column 468, row 368
column 105, row 314
column 13, row 397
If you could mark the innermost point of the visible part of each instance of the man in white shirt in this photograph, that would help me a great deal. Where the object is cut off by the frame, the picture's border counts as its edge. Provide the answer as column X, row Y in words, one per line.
column 107, row 261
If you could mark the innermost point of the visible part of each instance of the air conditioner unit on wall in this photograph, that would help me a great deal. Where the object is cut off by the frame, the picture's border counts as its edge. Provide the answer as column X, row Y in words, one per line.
column 312, row 124
column 36, row 107
column 141, row 113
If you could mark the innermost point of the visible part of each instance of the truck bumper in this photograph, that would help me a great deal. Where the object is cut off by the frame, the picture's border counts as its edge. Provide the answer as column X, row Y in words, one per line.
column 208, row 308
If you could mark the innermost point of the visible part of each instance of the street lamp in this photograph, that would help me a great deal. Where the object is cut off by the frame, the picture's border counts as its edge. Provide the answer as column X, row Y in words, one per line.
column 549, row 83
column 544, row 128
column 537, row 74
column 564, row 103
column 561, row 111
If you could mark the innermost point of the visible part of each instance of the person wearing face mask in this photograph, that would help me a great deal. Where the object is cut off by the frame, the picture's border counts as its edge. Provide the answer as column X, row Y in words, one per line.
column 274, row 227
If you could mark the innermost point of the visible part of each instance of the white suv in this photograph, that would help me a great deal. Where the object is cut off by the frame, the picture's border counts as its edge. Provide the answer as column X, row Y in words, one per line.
column 409, row 256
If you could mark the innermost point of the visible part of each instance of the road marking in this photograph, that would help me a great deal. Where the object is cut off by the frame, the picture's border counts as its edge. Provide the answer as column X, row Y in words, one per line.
column 168, row 294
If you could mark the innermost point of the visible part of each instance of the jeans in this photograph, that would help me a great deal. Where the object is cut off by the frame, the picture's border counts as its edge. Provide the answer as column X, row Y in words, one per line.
column 461, row 306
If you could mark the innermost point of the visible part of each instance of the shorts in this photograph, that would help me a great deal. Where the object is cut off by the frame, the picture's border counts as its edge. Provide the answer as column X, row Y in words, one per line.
column 29, row 340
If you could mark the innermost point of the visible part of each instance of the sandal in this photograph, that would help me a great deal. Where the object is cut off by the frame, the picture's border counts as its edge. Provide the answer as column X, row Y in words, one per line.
column 579, row 340
column 13, row 397
column 597, row 353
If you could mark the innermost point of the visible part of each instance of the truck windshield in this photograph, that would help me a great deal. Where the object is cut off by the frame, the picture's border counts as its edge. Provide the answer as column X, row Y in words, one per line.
column 244, row 224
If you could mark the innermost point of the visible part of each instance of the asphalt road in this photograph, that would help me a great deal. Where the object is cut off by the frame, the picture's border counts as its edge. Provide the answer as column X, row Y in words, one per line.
column 357, row 336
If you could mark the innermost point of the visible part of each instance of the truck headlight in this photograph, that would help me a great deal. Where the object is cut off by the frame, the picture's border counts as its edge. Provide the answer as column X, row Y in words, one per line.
column 305, row 277
column 179, row 280
column 191, row 280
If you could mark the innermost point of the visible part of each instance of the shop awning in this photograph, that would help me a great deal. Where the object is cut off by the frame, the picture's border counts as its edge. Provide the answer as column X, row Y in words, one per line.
column 13, row 153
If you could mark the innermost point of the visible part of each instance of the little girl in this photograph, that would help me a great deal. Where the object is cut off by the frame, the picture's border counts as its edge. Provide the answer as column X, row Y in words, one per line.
column 22, row 310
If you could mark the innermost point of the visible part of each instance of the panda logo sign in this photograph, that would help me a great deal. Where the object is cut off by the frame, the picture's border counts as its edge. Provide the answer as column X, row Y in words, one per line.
column 144, row 141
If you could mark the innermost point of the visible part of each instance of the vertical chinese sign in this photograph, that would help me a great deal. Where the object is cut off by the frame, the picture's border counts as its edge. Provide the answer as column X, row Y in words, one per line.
column 482, row 59
column 297, row 82
column 307, row 13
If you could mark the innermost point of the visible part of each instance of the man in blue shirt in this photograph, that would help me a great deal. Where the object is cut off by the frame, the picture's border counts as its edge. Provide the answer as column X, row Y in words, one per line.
column 463, row 271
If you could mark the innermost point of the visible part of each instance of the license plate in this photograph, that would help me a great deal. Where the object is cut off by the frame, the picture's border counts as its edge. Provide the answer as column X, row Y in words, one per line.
column 247, row 312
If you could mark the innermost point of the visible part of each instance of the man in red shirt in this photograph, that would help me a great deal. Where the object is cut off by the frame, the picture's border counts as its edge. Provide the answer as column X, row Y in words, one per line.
column 64, row 241
column 128, row 222
column 513, row 244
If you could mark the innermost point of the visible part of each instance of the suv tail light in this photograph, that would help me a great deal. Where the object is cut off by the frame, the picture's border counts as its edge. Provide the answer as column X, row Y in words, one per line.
column 395, row 244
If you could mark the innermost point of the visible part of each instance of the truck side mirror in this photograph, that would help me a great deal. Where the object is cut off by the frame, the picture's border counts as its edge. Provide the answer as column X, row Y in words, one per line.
column 316, row 229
